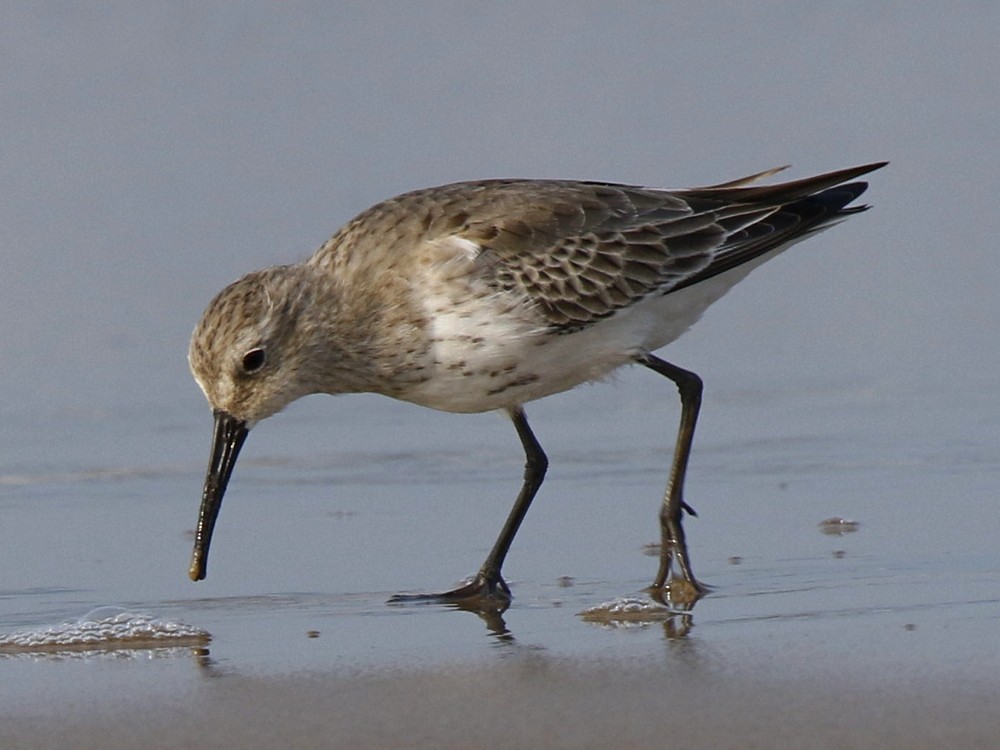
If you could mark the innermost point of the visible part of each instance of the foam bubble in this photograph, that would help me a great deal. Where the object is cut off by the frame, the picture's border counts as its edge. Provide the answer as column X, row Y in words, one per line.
column 105, row 628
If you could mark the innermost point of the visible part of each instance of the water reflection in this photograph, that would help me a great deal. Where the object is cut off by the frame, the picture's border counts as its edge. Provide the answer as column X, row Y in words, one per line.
column 103, row 653
column 489, row 611
column 492, row 616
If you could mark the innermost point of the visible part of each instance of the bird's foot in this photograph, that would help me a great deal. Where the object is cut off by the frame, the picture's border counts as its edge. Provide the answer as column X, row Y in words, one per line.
column 678, row 592
column 481, row 592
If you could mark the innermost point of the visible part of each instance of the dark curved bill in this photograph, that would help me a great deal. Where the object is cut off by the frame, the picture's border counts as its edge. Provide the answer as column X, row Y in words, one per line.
column 227, row 440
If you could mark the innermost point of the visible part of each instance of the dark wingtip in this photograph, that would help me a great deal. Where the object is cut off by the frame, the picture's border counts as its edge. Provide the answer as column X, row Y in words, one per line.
column 789, row 192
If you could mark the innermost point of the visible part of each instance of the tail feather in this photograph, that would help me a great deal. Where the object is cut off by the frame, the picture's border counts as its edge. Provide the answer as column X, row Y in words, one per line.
column 782, row 193
column 799, row 209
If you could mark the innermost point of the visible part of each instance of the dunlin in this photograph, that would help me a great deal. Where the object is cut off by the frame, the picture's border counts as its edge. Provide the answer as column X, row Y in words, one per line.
column 487, row 295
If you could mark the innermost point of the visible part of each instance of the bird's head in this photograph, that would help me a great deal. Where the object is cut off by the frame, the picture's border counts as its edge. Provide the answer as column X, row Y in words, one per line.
column 247, row 354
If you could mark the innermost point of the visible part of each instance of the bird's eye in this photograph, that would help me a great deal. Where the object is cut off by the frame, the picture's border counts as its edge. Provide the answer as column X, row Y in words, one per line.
column 253, row 360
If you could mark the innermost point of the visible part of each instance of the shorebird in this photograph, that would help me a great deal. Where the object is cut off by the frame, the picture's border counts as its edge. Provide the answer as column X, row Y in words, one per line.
column 486, row 295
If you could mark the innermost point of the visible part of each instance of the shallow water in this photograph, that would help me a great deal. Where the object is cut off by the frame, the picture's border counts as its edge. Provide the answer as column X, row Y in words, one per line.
column 312, row 542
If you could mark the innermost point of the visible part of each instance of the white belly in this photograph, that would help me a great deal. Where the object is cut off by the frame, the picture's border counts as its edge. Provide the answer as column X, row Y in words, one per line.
column 493, row 353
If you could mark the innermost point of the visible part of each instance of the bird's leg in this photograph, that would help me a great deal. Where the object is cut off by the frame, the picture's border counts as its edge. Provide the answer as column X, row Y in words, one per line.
column 488, row 584
column 673, row 546
column 535, row 464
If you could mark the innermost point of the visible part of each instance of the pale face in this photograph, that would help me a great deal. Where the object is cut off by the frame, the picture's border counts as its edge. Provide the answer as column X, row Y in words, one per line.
column 244, row 351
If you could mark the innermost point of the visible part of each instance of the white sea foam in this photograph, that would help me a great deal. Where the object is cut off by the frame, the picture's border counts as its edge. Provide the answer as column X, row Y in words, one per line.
column 628, row 610
column 105, row 628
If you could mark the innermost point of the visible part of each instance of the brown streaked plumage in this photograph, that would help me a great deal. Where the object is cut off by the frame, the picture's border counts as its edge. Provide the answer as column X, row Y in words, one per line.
column 487, row 295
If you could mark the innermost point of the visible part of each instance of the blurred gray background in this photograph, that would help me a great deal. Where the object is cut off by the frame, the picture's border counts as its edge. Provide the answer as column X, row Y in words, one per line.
column 151, row 153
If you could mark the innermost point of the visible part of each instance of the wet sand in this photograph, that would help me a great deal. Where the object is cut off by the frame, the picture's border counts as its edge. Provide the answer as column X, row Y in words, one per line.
column 531, row 701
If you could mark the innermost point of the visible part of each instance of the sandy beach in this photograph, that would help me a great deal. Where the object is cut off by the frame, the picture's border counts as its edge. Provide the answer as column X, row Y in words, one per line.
column 530, row 702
